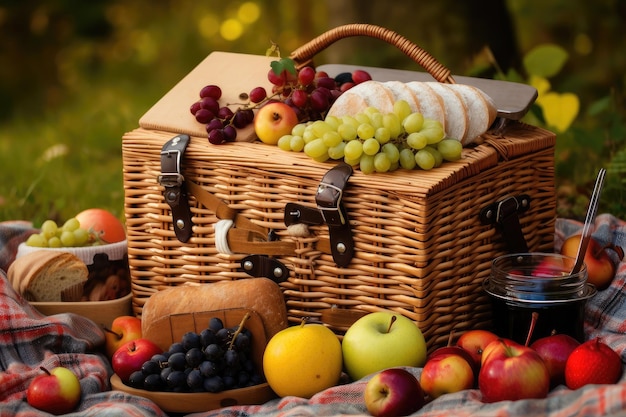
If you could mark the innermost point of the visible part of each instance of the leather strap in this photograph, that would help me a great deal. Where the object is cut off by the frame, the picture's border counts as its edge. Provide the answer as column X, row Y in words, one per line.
column 245, row 236
column 330, row 211
column 329, row 202
column 504, row 214
column 172, row 180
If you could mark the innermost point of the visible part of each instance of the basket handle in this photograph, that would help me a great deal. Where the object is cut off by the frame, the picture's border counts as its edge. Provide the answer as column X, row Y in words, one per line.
column 303, row 55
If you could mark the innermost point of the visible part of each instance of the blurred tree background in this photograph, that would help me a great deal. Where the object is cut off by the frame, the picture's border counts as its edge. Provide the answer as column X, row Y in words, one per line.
column 75, row 76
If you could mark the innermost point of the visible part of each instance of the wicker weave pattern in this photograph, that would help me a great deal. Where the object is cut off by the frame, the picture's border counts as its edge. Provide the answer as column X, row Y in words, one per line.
column 420, row 247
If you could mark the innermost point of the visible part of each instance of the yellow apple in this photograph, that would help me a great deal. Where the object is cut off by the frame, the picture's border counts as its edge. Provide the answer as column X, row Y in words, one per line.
column 302, row 360
column 273, row 121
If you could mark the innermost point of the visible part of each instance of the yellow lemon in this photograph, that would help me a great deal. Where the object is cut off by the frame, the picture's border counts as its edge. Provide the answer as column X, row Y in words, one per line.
column 302, row 360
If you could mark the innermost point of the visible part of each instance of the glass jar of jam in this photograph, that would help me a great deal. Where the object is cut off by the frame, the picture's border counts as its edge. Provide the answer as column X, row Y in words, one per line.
column 523, row 283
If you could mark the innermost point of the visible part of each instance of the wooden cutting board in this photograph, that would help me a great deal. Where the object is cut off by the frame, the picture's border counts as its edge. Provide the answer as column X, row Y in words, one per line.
column 239, row 73
column 233, row 73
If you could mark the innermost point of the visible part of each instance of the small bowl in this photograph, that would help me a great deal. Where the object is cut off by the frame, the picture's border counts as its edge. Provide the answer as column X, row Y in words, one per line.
column 198, row 402
column 102, row 261
column 101, row 312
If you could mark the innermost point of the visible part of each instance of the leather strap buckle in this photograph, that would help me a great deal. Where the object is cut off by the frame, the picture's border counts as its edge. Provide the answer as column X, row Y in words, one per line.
column 330, row 211
column 328, row 201
column 505, row 214
column 173, row 181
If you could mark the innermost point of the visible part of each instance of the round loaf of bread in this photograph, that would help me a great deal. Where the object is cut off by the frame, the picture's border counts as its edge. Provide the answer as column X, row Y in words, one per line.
column 261, row 295
column 45, row 275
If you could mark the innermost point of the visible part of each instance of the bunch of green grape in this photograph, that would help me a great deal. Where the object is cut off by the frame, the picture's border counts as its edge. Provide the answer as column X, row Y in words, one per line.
column 376, row 142
column 51, row 235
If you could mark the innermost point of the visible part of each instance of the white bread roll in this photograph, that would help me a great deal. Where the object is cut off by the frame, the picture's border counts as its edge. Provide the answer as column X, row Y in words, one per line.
column 464, row 111
column 44, row 275
column 261, row 295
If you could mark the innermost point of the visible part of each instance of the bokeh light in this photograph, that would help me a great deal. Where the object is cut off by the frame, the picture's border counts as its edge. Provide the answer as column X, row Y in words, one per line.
column 231, row 29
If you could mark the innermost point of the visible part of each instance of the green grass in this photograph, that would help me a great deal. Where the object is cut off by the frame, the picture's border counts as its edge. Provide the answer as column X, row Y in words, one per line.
column 67, row 160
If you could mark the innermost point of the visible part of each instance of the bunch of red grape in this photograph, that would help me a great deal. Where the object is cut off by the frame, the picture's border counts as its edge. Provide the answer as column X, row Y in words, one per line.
column 309, row 92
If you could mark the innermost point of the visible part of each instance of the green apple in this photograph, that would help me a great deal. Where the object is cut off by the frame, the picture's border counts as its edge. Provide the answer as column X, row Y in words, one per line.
column 382, row 340
column 56, row 391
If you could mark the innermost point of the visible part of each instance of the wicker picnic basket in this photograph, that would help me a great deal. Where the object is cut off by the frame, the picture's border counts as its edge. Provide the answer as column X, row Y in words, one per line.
column 423, row 241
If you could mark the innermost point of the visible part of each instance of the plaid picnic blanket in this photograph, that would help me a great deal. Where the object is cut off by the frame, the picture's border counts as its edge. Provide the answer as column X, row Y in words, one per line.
column 28, row 340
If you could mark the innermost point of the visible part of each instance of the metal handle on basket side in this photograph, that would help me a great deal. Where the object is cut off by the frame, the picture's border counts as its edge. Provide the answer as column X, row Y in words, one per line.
column 305, row 53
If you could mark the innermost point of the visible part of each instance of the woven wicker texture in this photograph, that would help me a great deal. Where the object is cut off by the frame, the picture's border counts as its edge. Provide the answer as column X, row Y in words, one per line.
column 421, row 249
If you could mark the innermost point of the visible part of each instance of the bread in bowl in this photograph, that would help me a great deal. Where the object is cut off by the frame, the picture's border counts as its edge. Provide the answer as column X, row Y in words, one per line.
column 45, row 275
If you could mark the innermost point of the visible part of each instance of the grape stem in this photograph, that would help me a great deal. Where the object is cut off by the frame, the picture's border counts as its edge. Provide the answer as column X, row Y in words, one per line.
column 239, row 329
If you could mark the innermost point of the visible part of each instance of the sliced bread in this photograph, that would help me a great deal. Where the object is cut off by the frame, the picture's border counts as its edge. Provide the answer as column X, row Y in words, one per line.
column 44, row 275
column 455, row 110
column 361, row 96
column 481, row 110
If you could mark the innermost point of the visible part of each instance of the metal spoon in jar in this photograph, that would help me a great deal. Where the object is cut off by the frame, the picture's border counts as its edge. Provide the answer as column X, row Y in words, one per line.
column 589, row 219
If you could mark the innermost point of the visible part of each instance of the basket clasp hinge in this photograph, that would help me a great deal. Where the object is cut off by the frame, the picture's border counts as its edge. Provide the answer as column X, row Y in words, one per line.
column 330, row 211
column 265, row 266
column 173, row 182
column 505, row 215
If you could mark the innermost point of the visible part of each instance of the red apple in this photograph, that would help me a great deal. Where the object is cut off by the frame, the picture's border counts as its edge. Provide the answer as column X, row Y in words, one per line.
column 273, row 121
column 448, row 369
column 511, row 371
column 593, row 362
column 475, row 341
column 393, row 392
column 600, row 267
column 123, row 329
column 129, row 358
column 554, row 350
column 56, row 391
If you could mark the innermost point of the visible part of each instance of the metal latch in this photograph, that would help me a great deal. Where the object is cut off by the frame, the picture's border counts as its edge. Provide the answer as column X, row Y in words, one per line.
column 505, row 215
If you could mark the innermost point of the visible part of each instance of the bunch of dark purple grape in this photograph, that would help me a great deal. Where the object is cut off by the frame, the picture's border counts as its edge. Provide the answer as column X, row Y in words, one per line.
column 308, row 92
column 216, row 359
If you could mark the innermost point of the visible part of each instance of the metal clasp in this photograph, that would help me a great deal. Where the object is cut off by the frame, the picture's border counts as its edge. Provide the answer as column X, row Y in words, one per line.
column 171, row 180
column 331, row 213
